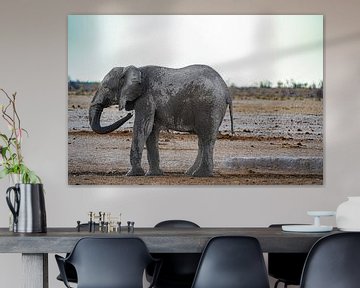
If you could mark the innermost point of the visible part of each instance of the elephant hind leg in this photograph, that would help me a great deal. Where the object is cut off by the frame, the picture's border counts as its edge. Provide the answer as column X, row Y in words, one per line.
column 203, row 166
column 197, row 163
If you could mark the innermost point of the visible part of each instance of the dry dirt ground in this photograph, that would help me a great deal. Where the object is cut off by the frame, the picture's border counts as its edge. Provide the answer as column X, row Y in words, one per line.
column 291, row 127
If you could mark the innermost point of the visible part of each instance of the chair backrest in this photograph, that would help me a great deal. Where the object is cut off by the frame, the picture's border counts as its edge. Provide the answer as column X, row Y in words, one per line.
column 176, row 224
column 178, row 269
column 110, row 262
column 232, row 262
column 333, row 262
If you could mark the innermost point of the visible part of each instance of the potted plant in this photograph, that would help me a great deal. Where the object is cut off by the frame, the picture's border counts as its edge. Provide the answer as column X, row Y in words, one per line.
column 11, row 159
column 25, row 197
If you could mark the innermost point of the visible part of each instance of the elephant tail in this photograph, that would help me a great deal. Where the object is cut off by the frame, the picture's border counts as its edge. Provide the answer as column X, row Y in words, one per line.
column 231, row 116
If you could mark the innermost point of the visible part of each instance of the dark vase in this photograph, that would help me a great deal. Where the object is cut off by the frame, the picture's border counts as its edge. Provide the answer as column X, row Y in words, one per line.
column 27, row 207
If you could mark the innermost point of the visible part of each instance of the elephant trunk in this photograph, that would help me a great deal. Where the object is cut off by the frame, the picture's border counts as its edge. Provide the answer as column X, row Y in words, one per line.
column 94, row 118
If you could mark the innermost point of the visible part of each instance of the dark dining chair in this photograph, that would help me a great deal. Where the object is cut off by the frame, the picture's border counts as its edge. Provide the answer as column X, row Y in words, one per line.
column 108, row 263
column 286, row 267
column 333, row 262
column 178, row 269
column 232, row 262
column 70, row 271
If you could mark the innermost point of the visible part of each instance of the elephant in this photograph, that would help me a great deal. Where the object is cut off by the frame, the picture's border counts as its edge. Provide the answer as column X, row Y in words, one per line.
column 191, row 99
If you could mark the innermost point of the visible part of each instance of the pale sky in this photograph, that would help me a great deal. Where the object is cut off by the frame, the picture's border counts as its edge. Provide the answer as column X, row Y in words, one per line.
column 244, row 49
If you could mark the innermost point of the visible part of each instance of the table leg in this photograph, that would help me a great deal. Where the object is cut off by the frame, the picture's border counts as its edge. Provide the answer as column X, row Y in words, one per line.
column 35, row 270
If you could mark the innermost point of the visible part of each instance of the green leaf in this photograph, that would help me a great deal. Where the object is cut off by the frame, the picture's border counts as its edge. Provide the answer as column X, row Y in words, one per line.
column 3, row 151
column 26, row 132
column 4, row 173
column 15, row 169
column 4, row 137
column 33, row 178
column 28, row 176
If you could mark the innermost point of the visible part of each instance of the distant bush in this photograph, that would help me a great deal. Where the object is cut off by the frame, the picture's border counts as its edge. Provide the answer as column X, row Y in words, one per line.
column 82, row 88
column 288, row 84
column 265, row 84
column 277, row 93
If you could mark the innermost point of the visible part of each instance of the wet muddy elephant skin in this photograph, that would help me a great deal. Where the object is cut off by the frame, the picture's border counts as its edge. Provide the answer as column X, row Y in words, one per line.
column 191, row 99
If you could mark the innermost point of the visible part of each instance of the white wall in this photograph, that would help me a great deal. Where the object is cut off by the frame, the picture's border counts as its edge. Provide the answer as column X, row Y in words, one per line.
column 33, row 39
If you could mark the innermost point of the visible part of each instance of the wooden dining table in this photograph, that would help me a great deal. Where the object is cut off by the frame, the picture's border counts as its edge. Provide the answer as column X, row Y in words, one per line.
column 35, row 247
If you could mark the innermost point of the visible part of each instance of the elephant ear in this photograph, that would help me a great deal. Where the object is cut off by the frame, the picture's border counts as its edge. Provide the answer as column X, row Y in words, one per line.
column 131, row 89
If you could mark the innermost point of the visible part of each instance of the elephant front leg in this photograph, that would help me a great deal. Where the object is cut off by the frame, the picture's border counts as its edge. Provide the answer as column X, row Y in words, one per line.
column 152, row 146
column 137, row 147
column 143, row 125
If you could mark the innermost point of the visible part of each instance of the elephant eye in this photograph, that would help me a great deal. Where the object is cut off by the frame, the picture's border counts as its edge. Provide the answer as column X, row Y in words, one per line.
column 106, row 88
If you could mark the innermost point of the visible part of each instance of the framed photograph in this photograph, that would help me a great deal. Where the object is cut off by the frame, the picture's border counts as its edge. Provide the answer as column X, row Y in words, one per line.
column 195, row 99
